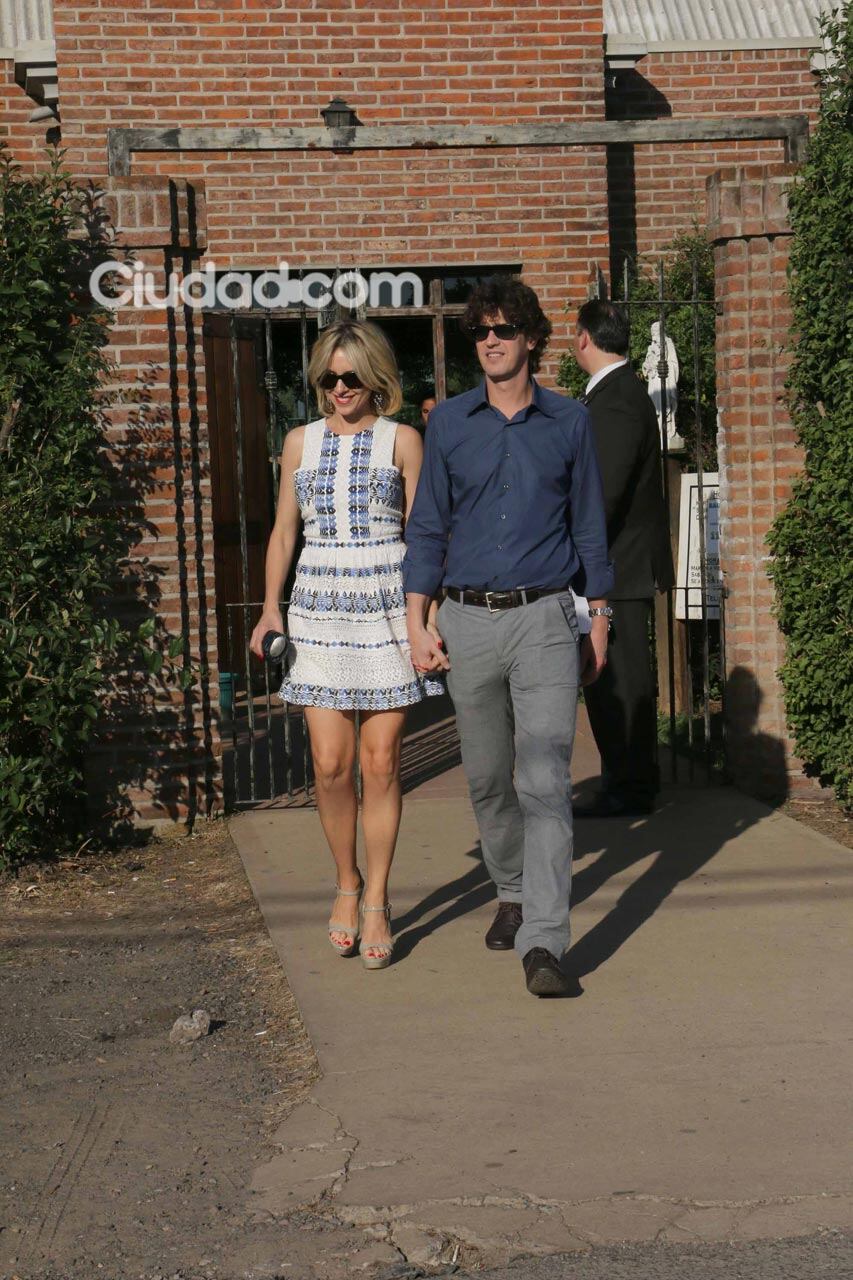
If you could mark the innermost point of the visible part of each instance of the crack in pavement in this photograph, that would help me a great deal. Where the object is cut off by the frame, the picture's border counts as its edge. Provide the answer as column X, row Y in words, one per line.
column 418, row 1235
column 341, row 1133
column 388, row 1215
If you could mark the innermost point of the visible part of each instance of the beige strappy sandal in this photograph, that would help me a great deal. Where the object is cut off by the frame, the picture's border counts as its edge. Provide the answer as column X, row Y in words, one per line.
column 349, row 948
column 386, row 949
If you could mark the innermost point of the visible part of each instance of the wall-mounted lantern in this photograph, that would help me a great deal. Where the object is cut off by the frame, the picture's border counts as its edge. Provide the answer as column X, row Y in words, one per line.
column 337, row 115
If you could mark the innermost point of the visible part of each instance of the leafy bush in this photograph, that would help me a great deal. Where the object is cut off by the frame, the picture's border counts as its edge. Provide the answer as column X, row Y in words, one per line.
column 812, row 539
column 686, row 252
column 61, row 539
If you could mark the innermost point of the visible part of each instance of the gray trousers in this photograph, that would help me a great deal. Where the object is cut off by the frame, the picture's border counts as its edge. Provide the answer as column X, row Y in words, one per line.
column 514, row 683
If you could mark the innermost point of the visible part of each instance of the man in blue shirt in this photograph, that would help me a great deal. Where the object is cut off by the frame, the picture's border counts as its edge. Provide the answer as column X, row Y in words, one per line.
column 507, row 516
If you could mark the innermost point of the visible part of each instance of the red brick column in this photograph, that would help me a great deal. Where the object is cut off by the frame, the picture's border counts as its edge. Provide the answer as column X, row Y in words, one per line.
column 157, row 751
column 758, row 459
column 25, row 139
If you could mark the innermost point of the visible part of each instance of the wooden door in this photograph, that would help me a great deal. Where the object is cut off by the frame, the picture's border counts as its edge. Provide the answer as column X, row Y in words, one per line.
column 237, row 500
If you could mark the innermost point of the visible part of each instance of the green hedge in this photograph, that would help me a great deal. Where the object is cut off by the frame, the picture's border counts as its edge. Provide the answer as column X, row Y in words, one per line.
column 812, row 539
column 63, row 536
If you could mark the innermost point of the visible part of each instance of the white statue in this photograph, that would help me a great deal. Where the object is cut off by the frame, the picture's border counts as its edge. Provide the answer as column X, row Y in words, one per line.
column 674, row 442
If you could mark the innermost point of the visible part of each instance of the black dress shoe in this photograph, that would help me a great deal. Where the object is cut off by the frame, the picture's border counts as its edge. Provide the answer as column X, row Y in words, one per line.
column 504, row 927
column 606, row 805
column 545, row 977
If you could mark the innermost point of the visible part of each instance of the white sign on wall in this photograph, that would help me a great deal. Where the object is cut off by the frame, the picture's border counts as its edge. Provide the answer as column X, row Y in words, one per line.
column 688, row 587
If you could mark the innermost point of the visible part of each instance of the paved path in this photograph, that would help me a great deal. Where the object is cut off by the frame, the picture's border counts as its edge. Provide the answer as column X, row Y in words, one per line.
column 698, row 1090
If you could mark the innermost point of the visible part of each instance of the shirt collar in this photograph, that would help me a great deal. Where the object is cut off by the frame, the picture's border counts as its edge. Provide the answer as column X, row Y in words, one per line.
column 602, row 373
column 480, row 400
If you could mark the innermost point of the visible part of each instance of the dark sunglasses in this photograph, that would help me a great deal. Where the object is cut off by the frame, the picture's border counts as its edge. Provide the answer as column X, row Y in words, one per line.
column 479, row 332
column 350, row 379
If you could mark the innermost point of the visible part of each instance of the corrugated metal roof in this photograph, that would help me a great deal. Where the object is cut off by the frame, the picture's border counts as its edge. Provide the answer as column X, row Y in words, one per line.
column 24, row 22
column 711, row 21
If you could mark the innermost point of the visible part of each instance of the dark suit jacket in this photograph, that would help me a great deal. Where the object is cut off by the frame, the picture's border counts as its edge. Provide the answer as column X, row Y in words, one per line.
column 625, row 426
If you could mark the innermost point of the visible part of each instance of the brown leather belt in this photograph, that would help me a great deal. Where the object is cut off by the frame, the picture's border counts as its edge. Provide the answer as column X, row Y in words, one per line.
column 494, row 600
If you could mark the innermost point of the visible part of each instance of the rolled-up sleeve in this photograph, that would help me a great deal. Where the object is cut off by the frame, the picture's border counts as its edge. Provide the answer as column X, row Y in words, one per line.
column 587, row 518
column 428, row 525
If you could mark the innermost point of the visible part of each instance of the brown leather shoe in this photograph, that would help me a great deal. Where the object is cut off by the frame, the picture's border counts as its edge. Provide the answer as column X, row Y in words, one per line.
column 545, row 977
column 504, row 927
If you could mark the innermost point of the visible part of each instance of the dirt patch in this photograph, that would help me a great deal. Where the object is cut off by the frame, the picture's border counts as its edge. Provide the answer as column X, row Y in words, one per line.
column 123, row 1154
column 823, row 815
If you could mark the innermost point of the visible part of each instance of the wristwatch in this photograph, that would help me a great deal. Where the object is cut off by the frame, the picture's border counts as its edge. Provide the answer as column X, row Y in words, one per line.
column 604, row 612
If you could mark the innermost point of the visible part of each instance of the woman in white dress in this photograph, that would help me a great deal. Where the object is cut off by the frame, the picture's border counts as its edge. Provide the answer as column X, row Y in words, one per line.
column 350, row 477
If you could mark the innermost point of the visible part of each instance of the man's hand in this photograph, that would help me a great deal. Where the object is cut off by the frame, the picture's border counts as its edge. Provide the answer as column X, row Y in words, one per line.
column 427, row 649
column 433, row 630
column 594, row 651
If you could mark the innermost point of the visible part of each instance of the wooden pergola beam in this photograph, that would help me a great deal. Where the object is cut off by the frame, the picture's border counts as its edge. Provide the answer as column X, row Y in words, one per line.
column 792, row 130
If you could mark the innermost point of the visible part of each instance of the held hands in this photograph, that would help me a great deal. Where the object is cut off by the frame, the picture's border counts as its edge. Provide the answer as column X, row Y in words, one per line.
column 427, row 650
column 594, row 652
column 271, row 620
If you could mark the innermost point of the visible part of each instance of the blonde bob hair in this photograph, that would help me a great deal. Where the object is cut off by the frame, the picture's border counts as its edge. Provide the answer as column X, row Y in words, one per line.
column 371, row 356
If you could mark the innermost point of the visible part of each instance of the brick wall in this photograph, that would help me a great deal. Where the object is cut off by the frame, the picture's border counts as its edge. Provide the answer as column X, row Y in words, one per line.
column 256, row 63
column 159, row 745
column 262, row 63
column 759, row 457
column 656, row 190
column 25, row 141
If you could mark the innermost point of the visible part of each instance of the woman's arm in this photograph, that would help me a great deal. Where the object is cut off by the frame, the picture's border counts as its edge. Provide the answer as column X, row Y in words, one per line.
column 282, row 540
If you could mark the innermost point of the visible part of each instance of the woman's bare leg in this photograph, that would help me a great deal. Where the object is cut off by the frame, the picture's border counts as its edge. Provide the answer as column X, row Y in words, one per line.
column 379, row 758
column 332, row 735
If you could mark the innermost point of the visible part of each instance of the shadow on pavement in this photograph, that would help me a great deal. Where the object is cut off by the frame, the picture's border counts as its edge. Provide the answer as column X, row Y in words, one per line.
column 683, row 841
column 469, row 891
column 682, row 837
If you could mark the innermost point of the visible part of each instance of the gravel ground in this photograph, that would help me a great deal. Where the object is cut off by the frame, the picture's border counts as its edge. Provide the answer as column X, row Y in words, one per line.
column 123, row 1154
column 827, row 1256
column 824, row 815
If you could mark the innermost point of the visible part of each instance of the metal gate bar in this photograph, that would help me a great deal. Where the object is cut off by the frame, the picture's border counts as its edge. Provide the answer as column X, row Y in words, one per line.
column 703, row 568
column 244, row 538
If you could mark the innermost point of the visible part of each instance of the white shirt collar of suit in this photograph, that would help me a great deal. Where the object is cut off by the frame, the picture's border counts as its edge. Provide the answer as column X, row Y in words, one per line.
column 602, row 373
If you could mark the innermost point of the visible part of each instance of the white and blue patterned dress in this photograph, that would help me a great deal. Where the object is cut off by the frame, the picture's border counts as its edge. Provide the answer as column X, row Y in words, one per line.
column 346, row 623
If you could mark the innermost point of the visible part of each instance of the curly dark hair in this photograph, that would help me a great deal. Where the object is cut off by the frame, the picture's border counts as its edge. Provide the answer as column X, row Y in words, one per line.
column 517, row 303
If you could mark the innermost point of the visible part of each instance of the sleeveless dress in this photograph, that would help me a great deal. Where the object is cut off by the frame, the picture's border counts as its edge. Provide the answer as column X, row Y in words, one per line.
column 346, row 624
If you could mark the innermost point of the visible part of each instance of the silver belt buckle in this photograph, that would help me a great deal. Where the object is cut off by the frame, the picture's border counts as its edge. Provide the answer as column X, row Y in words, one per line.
column 488, row 595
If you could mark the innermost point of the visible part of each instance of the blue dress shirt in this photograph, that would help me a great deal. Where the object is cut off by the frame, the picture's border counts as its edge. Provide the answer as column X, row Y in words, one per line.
column 505, row 503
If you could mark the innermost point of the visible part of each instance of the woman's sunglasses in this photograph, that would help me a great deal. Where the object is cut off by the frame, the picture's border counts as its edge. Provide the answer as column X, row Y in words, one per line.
column 479, row 332
column 350, row 379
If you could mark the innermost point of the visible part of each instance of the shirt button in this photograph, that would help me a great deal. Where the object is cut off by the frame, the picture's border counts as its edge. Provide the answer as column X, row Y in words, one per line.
column 506, row 486
column 506, row 455
column 500, row 548
column 503, row 517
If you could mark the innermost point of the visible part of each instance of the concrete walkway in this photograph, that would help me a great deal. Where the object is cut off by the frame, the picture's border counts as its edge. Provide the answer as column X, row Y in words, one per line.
column 698, row 1090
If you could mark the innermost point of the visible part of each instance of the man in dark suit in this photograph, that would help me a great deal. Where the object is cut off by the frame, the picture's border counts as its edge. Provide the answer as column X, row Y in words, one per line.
column 621, row 704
